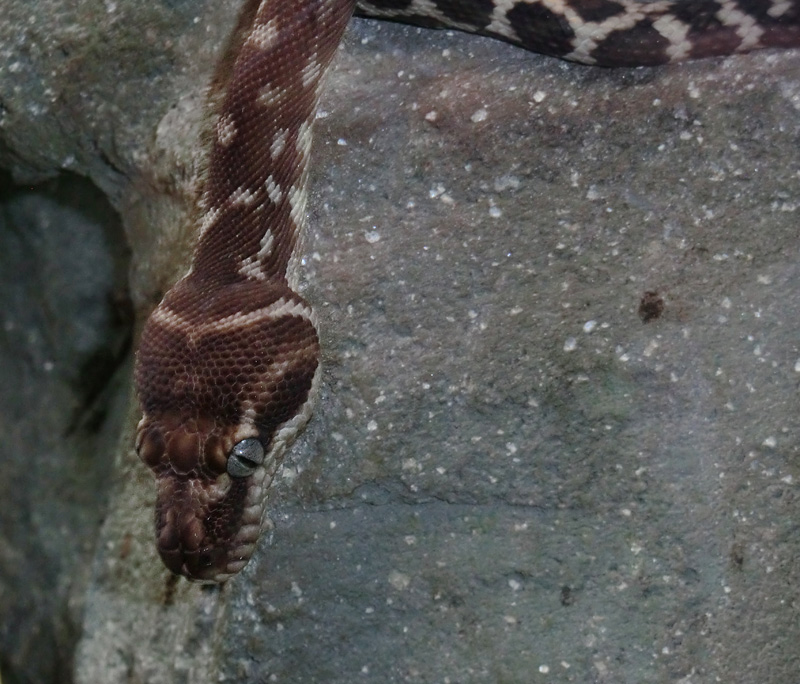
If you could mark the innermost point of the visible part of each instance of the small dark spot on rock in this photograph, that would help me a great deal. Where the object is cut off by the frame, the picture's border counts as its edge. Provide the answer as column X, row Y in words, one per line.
column 737, row 555
column 567, row 595
column 125, row 546
column 170, row 586
column 651, row 306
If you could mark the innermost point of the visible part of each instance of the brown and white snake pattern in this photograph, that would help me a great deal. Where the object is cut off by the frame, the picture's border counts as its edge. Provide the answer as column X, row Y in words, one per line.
column 228, row 363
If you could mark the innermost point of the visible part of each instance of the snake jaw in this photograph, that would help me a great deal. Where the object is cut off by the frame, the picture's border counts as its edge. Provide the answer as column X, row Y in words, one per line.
column 207, row 522
column 207, row 531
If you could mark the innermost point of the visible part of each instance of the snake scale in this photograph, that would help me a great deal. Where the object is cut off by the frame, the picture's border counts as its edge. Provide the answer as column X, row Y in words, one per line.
column 228, row 362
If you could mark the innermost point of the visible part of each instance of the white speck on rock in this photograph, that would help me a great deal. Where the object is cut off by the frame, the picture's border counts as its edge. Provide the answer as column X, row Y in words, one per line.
column 437, row 191
column 507, row 182
column 399, row 580
column 479, row 115
column 570, row 344
column 592, row 193
column 652, row 345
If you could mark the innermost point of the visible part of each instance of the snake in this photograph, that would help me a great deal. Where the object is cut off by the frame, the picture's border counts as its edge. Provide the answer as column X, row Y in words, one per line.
column 228, row 363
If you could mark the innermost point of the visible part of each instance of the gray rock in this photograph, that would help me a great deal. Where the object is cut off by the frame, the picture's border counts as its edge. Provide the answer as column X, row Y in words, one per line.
column 510, row 477
column 64, row 378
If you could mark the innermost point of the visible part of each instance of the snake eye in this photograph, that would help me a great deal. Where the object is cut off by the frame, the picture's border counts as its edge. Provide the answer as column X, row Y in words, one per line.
column 245, row 457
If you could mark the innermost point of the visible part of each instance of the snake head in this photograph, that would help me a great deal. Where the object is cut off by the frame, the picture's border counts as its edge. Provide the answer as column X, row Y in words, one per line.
column 224, row 389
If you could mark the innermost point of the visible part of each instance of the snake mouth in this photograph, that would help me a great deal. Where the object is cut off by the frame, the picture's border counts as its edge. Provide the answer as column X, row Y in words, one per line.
column 185, row 550
column 204, row 566
column 184, row 547
column 207, row 529
column 198, row 566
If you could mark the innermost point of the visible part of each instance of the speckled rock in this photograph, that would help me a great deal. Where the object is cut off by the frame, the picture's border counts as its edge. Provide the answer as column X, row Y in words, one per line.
column 510, row 477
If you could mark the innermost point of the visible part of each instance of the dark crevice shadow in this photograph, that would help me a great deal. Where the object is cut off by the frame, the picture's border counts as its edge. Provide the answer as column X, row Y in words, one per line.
column 65, row 340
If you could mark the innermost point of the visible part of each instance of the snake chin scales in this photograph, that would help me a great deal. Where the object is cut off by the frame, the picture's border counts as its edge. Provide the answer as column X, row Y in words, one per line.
column 228, row 362
column 198, row 503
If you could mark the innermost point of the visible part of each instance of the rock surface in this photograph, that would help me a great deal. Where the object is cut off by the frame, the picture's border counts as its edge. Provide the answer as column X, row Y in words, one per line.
column 510, row 476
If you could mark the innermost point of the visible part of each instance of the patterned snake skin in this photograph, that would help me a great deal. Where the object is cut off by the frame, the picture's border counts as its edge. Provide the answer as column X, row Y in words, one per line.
column 229, row 361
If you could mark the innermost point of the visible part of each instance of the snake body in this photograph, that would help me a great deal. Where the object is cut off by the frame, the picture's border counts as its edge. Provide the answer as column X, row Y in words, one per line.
column 228, row 362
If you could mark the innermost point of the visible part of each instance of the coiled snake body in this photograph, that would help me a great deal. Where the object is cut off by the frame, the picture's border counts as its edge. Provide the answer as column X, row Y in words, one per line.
column 229, row 360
